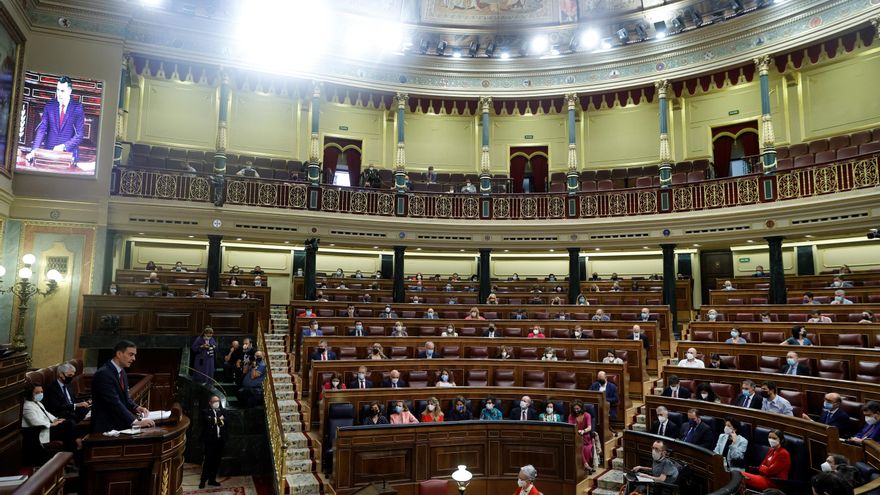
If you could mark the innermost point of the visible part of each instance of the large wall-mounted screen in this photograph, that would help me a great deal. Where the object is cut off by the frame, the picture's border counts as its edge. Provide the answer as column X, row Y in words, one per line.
column 60, row 122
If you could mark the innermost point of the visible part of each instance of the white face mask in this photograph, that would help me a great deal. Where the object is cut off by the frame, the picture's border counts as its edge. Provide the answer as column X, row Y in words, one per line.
column 523, row 404
column 394, row 380
column 662, row 419
column 361, row 376
column 773, row 443
column 826, row 468
column 215, row 405
column 712, row 316
column 728, row 430
column 704, row 395
column 656, row 455
column 522, row 483
column 689, row 356
column 431, row 407
column 490, row 406
column 870, row 420
column 577, row 334
column 549, row 410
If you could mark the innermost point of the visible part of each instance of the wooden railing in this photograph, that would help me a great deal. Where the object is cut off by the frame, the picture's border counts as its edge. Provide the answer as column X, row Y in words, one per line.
column 49, row 479
column 752, row 189
column 273, row 421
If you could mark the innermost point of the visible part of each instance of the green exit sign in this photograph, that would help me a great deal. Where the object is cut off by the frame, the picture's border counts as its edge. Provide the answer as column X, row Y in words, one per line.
column 745, row 260
column 343, row 128
column 733, row 112
column 529, row 136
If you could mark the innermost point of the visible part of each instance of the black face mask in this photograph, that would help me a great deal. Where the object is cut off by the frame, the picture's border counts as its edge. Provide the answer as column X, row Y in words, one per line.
column 375, row 351
column 374, row 412
column 765, row 394
column 601, row 382
column 68, row 380
column 259, row 360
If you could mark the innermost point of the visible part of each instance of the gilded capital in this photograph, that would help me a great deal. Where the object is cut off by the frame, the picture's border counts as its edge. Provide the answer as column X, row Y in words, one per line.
column 662, row 88
column 571, row 100
column 316, row 89
column 876, row 23
column 401, row 100
column 485, row 104
column 763, row 65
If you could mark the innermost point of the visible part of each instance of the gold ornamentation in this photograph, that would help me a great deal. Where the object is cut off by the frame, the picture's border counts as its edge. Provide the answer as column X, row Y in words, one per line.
column 314, row 148
column 865, row 172
column 589, row 206
column 683, row 199
column 713, row 195
column 617, row 204
column 443, row 207
column 222, row 137
column 662, row 88
column 165, row 483
column 296, row 197
column 788, row 185
column 762, row 63
column 400, row 157
column 647, row 202
column 485, row 161
column 500, row 207
column 236, row 191
column 386, row 204
column 571, row 101
column 166, row 186
column 330, row 199
column 199, row 189
column 768, row 136
column 485, row 102
column 131, row 183
column 268, row 194
column 557, row 207
column 470, row 207
column 665, row 152
column 825, row 179
column 358, row 202
column 416, row 205
column 528, row 208
column 747, row 191
column 572, row 157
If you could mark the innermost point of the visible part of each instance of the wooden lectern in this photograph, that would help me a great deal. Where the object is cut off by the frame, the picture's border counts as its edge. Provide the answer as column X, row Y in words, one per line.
column 149, row 463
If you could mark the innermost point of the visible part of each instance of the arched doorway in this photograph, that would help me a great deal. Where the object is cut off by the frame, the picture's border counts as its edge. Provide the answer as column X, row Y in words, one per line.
column 735, row 148
column 529, row 162
column 342, row 161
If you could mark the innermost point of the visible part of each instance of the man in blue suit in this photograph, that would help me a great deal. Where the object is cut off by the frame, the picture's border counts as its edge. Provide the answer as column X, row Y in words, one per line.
column 832, row 414
column 610, row 389
column 323, row 353
column 61, row 126
column 112, row 407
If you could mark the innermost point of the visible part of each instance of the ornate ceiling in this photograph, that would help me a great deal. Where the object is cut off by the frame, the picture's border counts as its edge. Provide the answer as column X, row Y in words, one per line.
column 329, row 40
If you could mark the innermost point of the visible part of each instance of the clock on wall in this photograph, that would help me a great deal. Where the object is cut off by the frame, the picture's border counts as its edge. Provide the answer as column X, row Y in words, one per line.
column 217, row 223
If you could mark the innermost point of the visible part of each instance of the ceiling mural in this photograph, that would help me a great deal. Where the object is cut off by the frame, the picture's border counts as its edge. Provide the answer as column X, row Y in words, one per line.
column 486, row 12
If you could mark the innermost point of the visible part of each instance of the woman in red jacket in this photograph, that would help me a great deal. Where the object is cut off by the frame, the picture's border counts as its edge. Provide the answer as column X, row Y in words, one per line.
column 776, row 464
column 526, row 481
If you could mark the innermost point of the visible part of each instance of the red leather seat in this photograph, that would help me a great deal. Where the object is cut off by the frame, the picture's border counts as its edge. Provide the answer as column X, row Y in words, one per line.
column 535, row 379
column 513, row 332
column 418, row 378
column 504, row 378
column 772, row 338
column 477, row 378
column 608, row 334
column 769, row 364
column 433, row 487
column 804, row 161
column 560, row 333
column 450, row 351
column 819, row 145
column 868, row 371
column 703, row 336
column 478, row 352
column 580, row 354
column 838, row 142
column 565, row 380
column 833, row 368
column 852, row 340
column 797, row 150
column 528, row 353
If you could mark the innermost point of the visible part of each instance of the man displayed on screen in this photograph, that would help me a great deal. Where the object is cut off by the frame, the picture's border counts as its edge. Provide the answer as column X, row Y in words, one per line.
column 61, row 126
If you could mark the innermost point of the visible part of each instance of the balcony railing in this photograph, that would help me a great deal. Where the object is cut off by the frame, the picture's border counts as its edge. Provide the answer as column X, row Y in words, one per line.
column 816, row 180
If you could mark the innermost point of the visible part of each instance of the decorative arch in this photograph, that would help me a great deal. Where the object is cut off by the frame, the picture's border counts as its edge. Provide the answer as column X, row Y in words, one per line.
column 538, row 157
column 724, row 139
column 351, row 149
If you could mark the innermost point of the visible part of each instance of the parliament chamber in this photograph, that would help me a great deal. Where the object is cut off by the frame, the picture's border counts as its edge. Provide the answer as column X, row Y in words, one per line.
column 427, row 247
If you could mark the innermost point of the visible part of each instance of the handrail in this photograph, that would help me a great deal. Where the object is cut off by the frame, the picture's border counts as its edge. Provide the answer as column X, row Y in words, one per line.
column 49, row 479
column 273, row 421
column 815, row 180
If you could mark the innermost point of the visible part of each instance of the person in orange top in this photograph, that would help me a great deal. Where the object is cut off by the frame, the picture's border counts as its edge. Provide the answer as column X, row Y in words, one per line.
column 526, row 481
column 474, row 314
column 776, row 464
column 536, row 333
column 432, row 413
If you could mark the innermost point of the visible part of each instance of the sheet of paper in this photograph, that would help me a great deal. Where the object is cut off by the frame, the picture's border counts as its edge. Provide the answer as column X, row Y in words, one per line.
column 159, row 415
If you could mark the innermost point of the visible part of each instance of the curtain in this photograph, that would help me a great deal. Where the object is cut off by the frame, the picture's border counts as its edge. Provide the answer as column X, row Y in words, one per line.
column 336, row 146
column 520, row 156
column 353, row 156
column 331, row 156
column 723, row 139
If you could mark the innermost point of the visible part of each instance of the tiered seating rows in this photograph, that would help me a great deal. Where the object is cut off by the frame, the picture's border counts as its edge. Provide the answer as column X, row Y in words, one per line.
column 807, row 282
column 823, row 296
column 824, row 334
column 508, row 373
column 786, row 312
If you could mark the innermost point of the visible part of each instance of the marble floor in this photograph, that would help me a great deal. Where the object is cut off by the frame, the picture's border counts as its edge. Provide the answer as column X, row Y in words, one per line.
column 236, row 485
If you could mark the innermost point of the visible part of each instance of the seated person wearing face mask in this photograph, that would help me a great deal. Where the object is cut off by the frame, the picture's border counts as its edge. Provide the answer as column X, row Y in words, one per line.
column 394, row 380
column 525, row 411
column 505, row 352
column 793, row 367
column 459, row 411
column 550, row 415
column 840, row 297
column 578, row 333
column 645, row 315
column 840, row 465
column 490, row 412
column 750, row 398
column 388, row 314
column 662, row 426
column 712, row 315
column 432, row 412
column 445, row 379
column 491, row 332
column 358, row 330
column 603, row 385
column 662, row 469
column 429, row 352
column 776, row 464
column 773, row 402
column 871, row 430
column 334, row 383
column 361, row 381
column 832, row 414
column 526, row 481
column 798, row 336
column 736, row 337
column 696, row 432
column 430, row 314
column 817, row 317
column 690, row 360
column 323, row 353
column 375, row 416
column 731, row 445
column 674, row 389
column 401, row 415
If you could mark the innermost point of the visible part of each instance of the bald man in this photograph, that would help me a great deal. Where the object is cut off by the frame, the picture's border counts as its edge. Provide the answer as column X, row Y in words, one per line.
column 690, row 360
column 832, row 414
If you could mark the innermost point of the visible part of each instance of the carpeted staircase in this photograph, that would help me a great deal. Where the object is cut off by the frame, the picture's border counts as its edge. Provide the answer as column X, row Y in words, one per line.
column 302, row 475
column 610, row 482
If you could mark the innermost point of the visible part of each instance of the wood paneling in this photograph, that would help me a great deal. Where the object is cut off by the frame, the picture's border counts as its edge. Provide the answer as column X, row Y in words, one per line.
column 12, row 386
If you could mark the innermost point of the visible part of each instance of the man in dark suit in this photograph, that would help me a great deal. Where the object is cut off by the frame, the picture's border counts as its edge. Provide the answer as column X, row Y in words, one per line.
column 358, row 330
column 112, row 407
column 525, row 411
column 793, row 367
column 749, row 398
column 361, row 381
column 602, row 384
column 61, row 125
column 213, row 438
column 663, row 426
column 429, row 352
column 673, row 389
column 646, row 315
column 637, row 334
column 696, row 432
column 59, row 400
column 832, row 414
column 323, row 353
column 394, row 380
column 491, row 332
